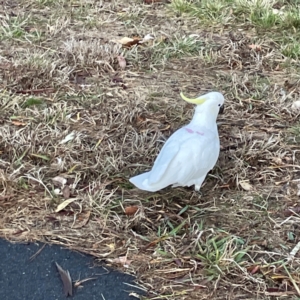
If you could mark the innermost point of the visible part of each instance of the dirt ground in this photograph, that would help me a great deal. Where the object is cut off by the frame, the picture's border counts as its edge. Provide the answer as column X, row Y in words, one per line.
column 89, row 93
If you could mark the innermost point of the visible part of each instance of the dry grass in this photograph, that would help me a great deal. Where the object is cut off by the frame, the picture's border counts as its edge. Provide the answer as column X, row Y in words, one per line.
column 69, row 110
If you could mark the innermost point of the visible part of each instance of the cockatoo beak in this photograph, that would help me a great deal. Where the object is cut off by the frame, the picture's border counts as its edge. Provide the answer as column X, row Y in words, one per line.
column 198, row 101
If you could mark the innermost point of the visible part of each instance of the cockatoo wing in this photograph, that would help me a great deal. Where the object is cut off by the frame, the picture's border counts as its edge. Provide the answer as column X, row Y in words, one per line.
column 184, row 157
column 195, row 159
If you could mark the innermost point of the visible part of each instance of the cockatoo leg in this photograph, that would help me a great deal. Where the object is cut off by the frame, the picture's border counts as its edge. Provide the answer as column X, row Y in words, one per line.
column 199, row 183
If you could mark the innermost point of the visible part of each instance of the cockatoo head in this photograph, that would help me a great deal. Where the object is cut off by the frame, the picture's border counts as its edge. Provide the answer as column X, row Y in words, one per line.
column 211, row 102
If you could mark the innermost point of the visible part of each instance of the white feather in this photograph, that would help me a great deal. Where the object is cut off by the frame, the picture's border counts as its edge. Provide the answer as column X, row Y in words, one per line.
column 189, row 154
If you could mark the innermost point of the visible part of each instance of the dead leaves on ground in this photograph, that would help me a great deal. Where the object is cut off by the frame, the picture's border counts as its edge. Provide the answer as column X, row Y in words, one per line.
column 64, row 204
column 131, row 210
column 128, row 42
column 18, row 123
column 255, row 47
column 66, row 279
column 78, row 220
column 284, row 282
column 82, row 220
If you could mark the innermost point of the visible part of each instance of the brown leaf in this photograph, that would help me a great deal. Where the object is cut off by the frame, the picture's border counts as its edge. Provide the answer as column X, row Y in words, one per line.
column 66, row 279
column 255, row 47
column 121, row 61
column 82, row 220
column 129, row 42
column 18, row 123
column 253, row 269
column 66, row 192
column 155, row 242
column 64, row 204
column 131, row 210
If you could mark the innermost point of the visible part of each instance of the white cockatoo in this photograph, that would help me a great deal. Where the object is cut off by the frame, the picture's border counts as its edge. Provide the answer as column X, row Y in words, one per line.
column 190, row 152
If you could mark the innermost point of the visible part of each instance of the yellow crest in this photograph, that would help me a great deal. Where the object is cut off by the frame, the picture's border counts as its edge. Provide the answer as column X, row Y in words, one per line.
column 199, row 100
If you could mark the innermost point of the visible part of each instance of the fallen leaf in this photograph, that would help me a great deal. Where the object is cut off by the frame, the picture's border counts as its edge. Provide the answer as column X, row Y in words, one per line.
column 255, row 47
column 155, row 242
column 253, row 269
column 129, row 42
column 246, row 185
column 82, row 219
column 66, row 192
column 66, row 279
column 121, row 61
column 131, row 210
column 59, row 181
column 18, row 123
column 65, row 204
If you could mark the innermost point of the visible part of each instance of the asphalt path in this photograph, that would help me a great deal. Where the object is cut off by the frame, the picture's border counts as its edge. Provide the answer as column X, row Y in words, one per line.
column 22, row 278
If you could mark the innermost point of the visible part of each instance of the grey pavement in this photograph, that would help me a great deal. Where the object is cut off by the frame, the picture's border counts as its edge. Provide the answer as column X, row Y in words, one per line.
column 38, row 279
